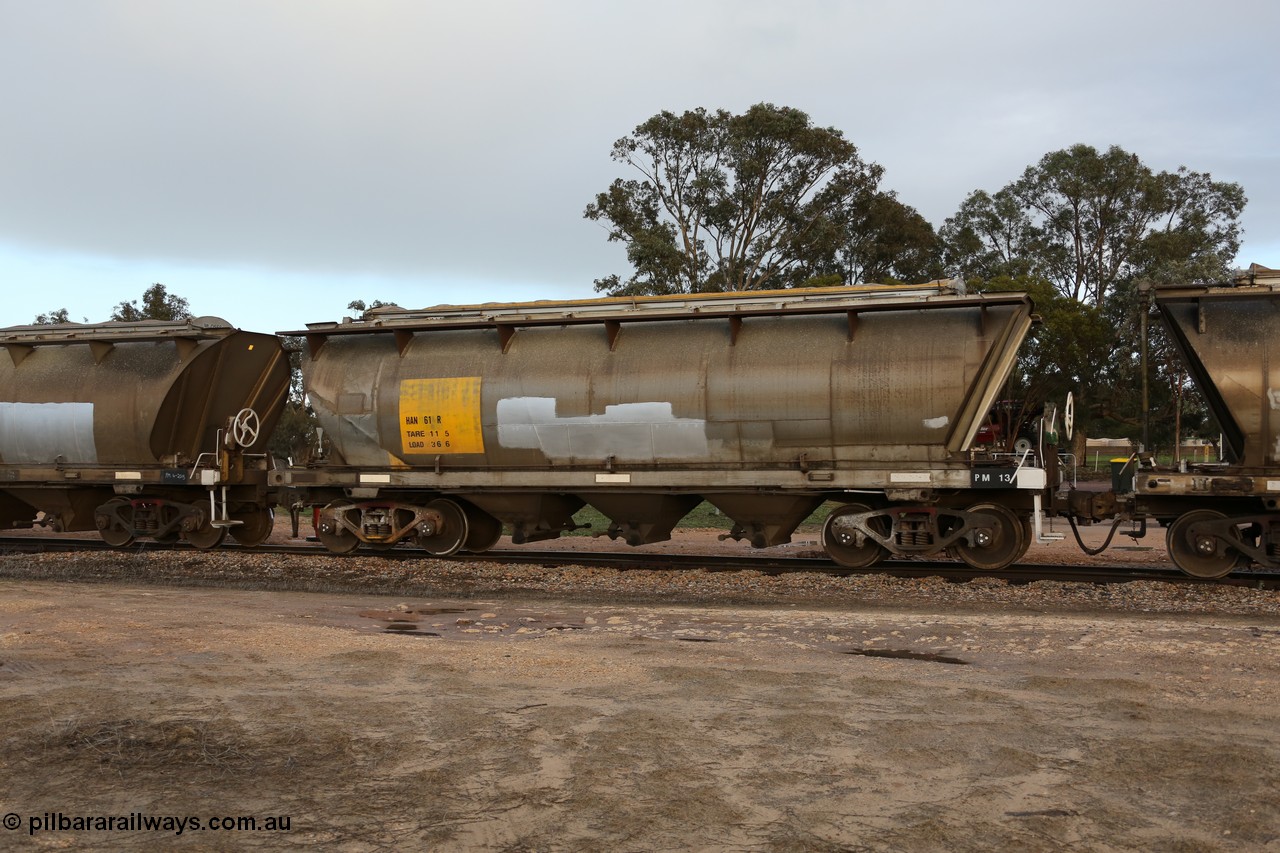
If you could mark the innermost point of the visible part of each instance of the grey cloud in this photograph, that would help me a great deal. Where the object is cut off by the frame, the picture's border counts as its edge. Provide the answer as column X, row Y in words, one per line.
column 416, row 140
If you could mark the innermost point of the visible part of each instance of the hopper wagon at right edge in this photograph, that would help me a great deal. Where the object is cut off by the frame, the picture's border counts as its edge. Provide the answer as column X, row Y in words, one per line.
column 1220, row 516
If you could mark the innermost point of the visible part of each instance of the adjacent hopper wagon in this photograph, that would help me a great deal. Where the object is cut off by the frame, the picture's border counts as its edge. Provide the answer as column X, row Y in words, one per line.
column 1222, row 516
column 145, row 429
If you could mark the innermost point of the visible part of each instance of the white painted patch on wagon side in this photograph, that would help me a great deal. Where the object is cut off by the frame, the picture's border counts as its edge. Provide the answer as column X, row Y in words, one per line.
column 910, row 477
column 1273, row 396
column 41, row 433
column 936, row 423
column 632, row 432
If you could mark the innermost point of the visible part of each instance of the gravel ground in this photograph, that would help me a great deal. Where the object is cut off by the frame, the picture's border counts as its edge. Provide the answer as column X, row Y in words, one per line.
column 368, row 572
column 461, row 705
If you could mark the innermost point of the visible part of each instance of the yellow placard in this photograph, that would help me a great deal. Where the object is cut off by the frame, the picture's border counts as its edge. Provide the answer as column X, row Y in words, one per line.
column 440, row 415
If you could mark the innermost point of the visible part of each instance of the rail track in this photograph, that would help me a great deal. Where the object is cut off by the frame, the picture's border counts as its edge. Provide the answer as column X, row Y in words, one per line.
column 765, row 564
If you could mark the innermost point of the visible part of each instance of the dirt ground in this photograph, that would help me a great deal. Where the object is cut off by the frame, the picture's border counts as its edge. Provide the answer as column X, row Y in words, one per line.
column 517, row 723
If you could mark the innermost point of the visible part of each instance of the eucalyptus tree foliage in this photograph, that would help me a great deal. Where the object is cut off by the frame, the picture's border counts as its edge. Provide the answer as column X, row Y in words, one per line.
column 157, row 304
column 60, row 315
column 364, row 307
column 991, row 236
column 739, row 202
column 1092, row 226
column 1089, row 221
column 880, row 239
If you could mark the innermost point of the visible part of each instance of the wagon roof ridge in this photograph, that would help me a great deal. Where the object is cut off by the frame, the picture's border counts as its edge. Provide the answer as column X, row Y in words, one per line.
column 693, row 300
column 1255, row 280
column 825, row 300
column 116, row 331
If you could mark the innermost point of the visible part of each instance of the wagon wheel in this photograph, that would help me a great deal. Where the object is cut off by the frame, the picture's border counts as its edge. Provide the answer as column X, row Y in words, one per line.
column 254, row 528
column 483, row 531
column 446, row 531
column 113, row 535
column 245, row 426
column 840, row 539
column 1028, row 536
column 998, row 543
column 1196, row 550
column 206, row 536
column 333, row 535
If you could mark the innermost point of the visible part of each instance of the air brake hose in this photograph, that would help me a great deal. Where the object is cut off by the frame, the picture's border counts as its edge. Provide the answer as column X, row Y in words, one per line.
column 1093, row 552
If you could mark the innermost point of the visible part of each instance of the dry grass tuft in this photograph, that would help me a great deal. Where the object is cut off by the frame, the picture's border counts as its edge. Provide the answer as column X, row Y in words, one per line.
column 129, row 744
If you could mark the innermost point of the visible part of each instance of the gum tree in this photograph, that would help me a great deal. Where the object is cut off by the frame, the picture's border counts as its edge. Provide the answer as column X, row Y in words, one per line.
column 761, row 200
column 1092, row 225
column 157, row 304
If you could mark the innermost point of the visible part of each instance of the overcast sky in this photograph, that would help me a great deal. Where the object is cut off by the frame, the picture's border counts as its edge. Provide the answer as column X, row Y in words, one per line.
column 272, row 161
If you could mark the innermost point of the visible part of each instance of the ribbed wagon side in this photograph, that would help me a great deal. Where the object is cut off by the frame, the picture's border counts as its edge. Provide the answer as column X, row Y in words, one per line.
column 151, row 428
column 445, row 423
